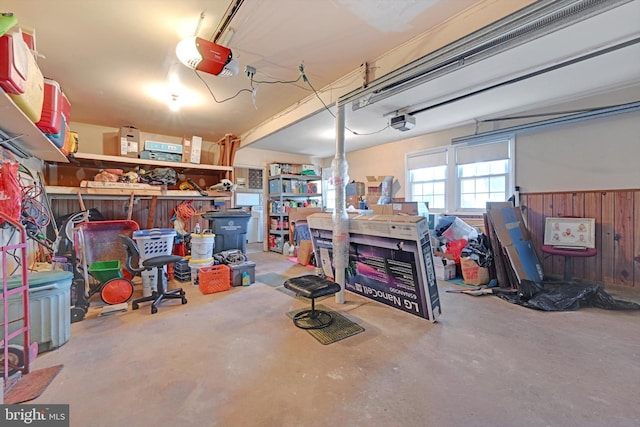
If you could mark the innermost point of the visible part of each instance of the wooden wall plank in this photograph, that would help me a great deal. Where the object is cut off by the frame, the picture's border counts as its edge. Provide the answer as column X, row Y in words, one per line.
column 623, row 238
column 607, row 248
column 535, row 222
column 578, row 211
column 562, row 206
column 547, row 261
column 592, row 209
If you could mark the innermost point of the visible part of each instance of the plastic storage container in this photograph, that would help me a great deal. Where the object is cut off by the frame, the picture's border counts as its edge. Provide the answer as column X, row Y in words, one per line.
column 182, row 271
column 195, row 265
column 58, row 138
column 30, row 101
column 239, row 270
column 230, row 228
column 49, row 308
column 152, row 243
column 214, row 279
column 13, row 65
column 202, row 246
column 51, row 117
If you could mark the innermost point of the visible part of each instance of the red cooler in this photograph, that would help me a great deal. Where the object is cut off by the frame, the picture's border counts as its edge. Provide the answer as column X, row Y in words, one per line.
column 13, row 65
column 65, row 107
column 51, row 117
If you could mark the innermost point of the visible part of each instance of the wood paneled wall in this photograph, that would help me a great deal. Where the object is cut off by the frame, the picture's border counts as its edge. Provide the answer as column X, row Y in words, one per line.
column 617, row 215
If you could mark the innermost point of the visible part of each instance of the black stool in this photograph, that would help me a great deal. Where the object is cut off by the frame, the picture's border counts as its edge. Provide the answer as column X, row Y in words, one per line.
column 311, row 286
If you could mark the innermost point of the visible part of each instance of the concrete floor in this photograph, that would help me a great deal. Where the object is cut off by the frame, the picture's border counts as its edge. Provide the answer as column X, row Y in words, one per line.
column 235, row 359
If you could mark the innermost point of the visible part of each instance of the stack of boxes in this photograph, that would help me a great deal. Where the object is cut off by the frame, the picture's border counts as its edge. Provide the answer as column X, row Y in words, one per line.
column 187, row 152
column 162, row 151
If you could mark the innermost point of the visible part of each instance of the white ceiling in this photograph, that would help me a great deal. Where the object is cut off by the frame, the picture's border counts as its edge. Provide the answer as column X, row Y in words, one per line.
column 114, row 60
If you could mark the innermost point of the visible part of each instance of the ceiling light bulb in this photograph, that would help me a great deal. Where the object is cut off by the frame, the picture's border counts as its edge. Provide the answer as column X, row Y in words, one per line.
column 188, row 53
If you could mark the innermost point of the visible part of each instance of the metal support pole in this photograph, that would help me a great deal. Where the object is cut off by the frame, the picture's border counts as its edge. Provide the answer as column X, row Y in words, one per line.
column 340, row 239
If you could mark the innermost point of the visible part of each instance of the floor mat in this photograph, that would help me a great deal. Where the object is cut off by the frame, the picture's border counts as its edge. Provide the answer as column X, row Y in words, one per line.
column 31, row 385
column 272, row 279
column 339, row 329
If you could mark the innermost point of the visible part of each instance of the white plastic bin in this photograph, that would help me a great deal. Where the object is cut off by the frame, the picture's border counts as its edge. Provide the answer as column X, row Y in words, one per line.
column 49, row 308
column 202, row 246
column 195, row 265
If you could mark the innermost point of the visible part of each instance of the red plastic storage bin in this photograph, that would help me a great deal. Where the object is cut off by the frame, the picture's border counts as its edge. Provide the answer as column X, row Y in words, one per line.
column 58, row 138
column 51, row 117
column 13, row 65
column 65, row 107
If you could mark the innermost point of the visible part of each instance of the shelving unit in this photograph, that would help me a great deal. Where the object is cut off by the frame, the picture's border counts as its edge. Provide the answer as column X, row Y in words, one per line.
column 288, row 191
column 101, row 160
column 16, row 124
column 105, row 161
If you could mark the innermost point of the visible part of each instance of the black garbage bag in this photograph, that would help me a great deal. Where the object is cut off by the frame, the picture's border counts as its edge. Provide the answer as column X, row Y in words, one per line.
column 479, row 250
column 565, row 297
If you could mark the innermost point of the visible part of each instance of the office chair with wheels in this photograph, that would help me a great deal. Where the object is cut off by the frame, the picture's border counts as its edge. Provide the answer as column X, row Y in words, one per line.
column 157, row 262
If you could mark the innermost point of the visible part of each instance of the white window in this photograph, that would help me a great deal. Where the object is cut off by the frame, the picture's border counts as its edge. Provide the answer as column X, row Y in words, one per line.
column 461, row 177
column 427, row 175
column 328, row 189
column 482, row 174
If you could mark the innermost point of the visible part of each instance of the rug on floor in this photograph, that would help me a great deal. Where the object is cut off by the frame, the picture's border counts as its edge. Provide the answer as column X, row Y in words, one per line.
column 339, row 329
column 272, row 279
column 31, row 385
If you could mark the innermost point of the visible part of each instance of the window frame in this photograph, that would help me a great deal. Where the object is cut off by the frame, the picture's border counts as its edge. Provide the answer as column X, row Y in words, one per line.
column 453, row 194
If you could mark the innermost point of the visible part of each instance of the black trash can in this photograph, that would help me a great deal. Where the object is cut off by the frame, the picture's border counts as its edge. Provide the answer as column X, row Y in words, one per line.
column 230, row 227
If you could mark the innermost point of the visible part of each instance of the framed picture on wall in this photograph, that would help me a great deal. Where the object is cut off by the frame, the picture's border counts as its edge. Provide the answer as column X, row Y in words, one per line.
column 570, row 232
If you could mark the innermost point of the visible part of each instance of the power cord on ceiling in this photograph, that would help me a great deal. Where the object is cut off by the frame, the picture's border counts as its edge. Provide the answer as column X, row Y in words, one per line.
column 214, row 97
column 326, row 107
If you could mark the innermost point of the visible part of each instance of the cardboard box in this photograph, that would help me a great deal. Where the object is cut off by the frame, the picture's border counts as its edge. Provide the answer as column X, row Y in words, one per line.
column 163, row 147
column 196, row 149
column 402, row 208
column 186, row 150
column 304, row 252
column 355, row 189
column 513, row 235
column 129, row 138
column 445, row 268
column 352, row 201
column 390, row 260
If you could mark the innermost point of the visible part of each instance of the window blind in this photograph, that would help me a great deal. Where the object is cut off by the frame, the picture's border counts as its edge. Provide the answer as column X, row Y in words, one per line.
column 427, row 159
column 482, row 152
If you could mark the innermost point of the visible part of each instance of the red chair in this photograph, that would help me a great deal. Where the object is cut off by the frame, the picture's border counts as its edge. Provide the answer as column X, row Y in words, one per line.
column 569, row 255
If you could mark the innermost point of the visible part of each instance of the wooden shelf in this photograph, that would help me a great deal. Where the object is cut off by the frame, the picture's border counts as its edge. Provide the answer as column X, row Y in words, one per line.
column 16, row 124
column 298, row 177
column 72, row 192
column 101, row 159
column 274, row 195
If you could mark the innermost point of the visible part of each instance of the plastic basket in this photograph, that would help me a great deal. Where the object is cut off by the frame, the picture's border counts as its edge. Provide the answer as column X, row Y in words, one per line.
column 104, row 271
column 154, row 242
column 215, row 278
